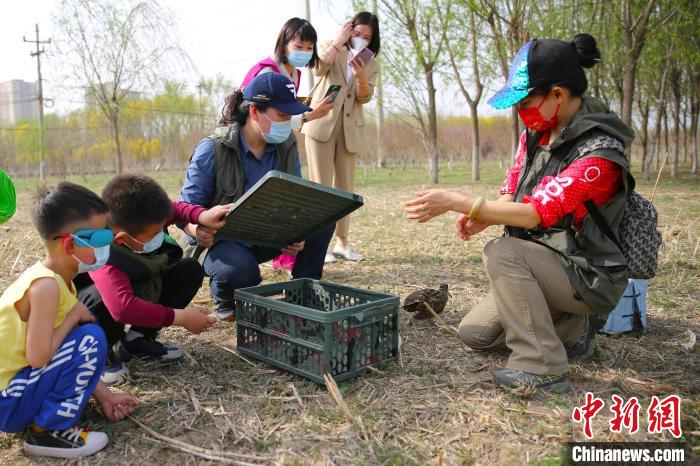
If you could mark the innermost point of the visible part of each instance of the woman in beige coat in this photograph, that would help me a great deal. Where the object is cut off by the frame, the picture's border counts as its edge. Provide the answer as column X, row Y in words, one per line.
column 333, row 142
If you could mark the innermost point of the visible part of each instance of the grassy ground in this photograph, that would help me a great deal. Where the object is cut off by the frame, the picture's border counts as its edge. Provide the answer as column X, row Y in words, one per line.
column 438, row 403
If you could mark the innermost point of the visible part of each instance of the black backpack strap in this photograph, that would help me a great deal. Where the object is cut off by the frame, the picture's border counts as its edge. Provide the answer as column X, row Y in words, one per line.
column 599, row 220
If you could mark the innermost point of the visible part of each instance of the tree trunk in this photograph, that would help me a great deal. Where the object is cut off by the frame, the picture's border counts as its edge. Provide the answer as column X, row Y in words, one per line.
column 381, row 156
column 694, row 115
column 675, row 89
column 645, row 132
column 114, row 118
column 657, row 142
column 514, row 133
column 634, row 36
column 473, row 111
column 667, row 145
column 676, row 137
column 431, row 140
column 628, row 89
column 657, row 127
column 685, row 134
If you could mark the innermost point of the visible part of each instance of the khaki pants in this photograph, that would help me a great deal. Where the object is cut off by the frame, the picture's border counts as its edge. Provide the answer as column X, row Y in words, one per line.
column 331, row 164
column 531, row 308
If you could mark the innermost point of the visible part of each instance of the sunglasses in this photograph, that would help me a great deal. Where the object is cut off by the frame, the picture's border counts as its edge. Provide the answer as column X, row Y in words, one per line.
column 90, row 238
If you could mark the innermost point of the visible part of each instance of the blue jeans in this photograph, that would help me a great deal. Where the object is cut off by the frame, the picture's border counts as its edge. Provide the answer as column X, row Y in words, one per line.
column 232, row 265
column 54, row 396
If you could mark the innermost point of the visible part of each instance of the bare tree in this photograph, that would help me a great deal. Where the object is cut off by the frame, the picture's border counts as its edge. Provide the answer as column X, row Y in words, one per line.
column 456, row 44
column 635, row 32
column 660, row 109
column 508, row 22
column 115, row 49
column 418, row 24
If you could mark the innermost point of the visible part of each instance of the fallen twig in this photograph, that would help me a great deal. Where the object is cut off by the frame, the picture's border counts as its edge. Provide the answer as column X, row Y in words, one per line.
column 236, row 353
column 440, row 321
column 296, row 395
column 338, row 397
column 217, row 455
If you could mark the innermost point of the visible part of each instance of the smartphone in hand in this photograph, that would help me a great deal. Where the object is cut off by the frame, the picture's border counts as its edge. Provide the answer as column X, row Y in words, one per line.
column 333, row 91
column 365, row 54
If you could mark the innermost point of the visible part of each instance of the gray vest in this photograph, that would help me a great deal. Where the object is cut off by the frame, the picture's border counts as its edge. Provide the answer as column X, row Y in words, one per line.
column 230, row 178
column 595, row 266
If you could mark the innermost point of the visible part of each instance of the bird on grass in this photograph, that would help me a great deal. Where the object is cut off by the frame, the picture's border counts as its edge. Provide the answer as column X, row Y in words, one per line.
column 416, row 302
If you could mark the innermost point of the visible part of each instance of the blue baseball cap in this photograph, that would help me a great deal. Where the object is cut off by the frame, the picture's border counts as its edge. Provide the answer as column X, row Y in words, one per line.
column 275, row 90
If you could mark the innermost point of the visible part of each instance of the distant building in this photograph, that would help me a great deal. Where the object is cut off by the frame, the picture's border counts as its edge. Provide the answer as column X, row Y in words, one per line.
column 91, row 100
column 18, row 101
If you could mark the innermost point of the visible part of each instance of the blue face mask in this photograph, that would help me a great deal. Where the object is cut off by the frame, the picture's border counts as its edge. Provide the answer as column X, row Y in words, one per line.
column 151, row 245
column 101, row 256
column 299, row 58
column 279, row 131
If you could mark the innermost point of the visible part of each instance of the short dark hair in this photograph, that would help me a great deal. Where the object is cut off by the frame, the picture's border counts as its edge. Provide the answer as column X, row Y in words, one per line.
column 135, row 202
column 296, row 27
column 365, row 17
column 56, row 207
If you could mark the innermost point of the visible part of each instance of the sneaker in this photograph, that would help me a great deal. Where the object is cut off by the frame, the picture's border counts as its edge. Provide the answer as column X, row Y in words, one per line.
column 526, row 383
column 143, row 347
column 585, row 347
column 224, row 313
column 347, row 253
column 115, row 373
column 330, row 258
column 69, row 443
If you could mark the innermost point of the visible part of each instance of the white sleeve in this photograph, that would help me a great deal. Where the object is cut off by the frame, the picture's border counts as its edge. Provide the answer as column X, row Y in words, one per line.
column 296, row 121
column 267, row 69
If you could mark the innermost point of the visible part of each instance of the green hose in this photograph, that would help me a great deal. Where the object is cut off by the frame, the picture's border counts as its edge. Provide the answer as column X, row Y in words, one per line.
column 8, row 199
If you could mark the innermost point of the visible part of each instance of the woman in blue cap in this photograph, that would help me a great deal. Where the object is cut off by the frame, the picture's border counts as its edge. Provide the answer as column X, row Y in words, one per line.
column 554, row 266
column 254, row 137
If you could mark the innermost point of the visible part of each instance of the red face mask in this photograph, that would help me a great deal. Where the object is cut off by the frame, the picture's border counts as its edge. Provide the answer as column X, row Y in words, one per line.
column 532, row 118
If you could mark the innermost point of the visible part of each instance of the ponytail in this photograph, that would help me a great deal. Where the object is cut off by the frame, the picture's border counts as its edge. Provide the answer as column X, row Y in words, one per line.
column 236, row 109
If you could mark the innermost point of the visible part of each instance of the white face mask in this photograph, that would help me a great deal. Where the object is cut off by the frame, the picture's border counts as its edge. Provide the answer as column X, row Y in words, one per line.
column 101, row 256
column 358, row 43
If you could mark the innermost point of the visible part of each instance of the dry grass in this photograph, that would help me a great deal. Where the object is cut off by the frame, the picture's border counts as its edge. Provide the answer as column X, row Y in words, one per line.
column 437, row 405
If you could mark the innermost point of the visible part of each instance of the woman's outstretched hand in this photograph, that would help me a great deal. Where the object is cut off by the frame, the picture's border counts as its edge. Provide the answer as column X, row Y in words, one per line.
column 430, row 204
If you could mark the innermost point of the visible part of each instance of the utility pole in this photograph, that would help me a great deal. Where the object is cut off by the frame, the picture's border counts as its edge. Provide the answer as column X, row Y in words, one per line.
column 309, row 73
column 201, row 109
column 40, row 96
column 379, row 96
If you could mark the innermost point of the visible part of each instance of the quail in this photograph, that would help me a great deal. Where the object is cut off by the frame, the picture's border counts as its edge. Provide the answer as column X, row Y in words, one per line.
column 415, row 302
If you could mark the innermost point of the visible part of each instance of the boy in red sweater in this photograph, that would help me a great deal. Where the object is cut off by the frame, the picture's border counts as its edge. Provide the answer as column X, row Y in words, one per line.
column 146, row 282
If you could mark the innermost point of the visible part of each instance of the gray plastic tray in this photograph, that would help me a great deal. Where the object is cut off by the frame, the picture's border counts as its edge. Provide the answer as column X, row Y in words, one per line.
column 281, row 209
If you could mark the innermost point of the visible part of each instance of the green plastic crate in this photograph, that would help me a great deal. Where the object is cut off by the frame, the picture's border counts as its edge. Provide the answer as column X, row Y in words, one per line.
column 310, row 327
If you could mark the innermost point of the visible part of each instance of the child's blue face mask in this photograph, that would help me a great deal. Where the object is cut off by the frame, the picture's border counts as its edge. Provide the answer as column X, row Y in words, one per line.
column 98, row 241
column 151, row 245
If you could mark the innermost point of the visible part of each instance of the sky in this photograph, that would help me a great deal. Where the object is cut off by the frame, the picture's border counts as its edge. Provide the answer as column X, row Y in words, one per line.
column 220, row 36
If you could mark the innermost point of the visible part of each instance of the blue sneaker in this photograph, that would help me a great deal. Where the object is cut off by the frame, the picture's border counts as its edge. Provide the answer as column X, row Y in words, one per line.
column 115, row 373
